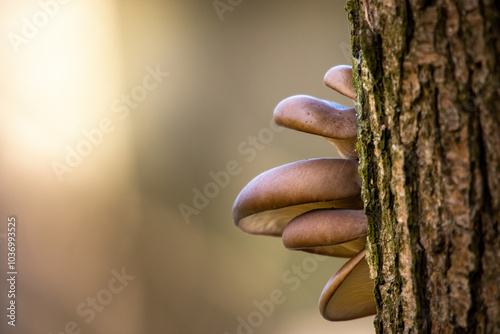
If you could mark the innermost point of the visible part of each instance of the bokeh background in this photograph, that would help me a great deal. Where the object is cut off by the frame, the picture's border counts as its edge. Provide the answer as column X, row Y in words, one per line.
column 68, row 66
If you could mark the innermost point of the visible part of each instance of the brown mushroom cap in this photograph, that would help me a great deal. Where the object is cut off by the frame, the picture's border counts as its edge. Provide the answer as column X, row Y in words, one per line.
column 349, row 293
column 339, row 78
column 337, row 123
column 272, row 199
column 340, row 233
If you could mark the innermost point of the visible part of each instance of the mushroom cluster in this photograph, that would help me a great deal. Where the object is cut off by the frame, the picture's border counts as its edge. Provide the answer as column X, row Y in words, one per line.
column 315, row 205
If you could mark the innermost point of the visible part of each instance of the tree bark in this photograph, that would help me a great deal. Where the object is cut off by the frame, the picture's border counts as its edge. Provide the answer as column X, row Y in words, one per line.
column 427, row 77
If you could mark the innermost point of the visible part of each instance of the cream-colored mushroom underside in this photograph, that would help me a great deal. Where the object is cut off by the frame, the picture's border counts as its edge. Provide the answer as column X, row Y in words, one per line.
column 273, row 222
column 354, row 297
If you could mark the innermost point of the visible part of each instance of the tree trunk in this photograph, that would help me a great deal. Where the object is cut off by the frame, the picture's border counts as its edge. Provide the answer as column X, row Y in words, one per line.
column 427, row 77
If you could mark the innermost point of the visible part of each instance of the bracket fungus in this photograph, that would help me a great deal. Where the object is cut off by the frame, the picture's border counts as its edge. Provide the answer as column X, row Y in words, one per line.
column 272, row 199
column 334, row 232
column 339, row 78
column 348, row 294
column 315, row 205
column 335, row 122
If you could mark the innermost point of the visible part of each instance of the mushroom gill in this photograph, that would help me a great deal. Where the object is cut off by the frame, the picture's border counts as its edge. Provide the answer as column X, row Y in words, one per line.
column 349, row 293
column 315, row 205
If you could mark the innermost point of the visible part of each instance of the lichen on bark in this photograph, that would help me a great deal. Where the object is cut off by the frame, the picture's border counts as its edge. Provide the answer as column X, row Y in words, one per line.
column 427, row 79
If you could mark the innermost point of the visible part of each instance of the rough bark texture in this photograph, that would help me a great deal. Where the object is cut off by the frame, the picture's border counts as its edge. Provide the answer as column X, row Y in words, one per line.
column 427, row 77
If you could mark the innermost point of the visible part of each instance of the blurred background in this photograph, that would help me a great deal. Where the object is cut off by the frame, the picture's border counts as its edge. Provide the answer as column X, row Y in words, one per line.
column 114, row 116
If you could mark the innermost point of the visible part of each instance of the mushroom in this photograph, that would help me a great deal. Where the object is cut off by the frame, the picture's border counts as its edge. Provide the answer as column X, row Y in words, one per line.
column 315, row 205
column 272, row 199
column 336, row 123
column 339, row 78
column 339, row 233
column 349, row 293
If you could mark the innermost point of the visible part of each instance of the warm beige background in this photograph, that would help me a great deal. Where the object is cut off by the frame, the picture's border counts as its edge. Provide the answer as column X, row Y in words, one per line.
column 118, row 208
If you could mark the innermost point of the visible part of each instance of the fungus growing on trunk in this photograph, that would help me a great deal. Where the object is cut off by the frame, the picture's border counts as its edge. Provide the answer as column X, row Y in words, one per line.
column 336, row 123
column 334, row 232
column 315, row 205
column 272, row 199
column 349, row 293
column 339, row 78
